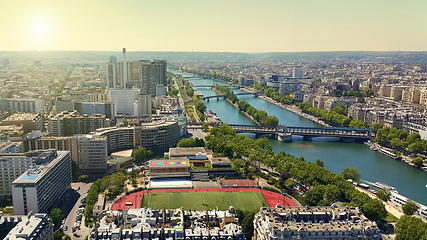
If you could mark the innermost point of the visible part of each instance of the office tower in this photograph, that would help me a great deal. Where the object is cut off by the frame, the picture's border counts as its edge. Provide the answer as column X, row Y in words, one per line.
column 298, row 73
column 152, row 74
column 112, row 73
column 144, row 105
column 42, row 185
column 161, row 90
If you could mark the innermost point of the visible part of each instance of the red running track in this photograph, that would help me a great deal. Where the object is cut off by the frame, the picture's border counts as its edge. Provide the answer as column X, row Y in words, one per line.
column 272, row 198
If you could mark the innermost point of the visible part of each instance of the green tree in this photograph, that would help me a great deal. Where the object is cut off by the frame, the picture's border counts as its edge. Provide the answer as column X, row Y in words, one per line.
column 239, row 163
column 418, row 161
column 351, row 173
column 83, row 178
column 416, row 147
column 56, row 216
column 384, row 194
column 375, row 210
column 57, row 235
column 66, row 237
column 410, row 207
column 205, row 126
column 340, row 109
column 263, row 143
column 320, row 162
column 139, row 155
column 410, row 228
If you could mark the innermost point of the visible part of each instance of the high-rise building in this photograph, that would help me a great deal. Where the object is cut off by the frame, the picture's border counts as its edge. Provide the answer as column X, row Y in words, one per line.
column 112, row 73
column 69, row 123
column 152, row 74
column 38, row 188
column 144, row 105
column 89, row 108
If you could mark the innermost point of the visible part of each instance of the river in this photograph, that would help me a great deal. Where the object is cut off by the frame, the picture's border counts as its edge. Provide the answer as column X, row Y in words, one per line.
column 336, row 155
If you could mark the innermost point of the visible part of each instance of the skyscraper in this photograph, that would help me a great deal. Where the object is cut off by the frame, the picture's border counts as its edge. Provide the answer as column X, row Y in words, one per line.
column 112, row 74
column 152, row 74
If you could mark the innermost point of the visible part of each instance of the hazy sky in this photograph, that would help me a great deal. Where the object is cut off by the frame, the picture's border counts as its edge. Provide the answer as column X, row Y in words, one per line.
column 214, row 25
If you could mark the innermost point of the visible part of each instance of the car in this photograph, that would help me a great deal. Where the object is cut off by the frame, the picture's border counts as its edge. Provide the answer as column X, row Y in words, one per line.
column 78, row 188
column 65, row 228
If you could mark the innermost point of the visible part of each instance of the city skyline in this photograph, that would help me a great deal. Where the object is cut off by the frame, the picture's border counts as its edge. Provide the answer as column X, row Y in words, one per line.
column 214, row 26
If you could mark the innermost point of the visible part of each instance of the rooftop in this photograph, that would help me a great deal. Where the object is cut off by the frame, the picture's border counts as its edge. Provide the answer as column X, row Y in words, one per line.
column 186, row 151
column 22, row 116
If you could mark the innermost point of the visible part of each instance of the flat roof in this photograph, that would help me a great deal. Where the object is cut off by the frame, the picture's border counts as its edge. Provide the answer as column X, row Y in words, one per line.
column 169, row 163
column 186, row 151
column 220, row 160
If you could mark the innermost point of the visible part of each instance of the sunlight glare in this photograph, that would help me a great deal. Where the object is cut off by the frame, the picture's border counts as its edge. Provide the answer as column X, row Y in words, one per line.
column 40, row 29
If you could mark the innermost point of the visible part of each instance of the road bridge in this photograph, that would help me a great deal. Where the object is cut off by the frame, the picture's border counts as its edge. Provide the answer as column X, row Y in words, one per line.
column 284, row 133
column 256, row 94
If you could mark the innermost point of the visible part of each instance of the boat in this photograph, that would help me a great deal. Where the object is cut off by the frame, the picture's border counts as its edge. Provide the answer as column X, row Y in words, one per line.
column 388, row 153
column 363, row 185
column 384, row 186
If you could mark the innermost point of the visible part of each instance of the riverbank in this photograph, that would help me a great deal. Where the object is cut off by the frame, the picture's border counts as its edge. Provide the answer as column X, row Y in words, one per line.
column 236, row 106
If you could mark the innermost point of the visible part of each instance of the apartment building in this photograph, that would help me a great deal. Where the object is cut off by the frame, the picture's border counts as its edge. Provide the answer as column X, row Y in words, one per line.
column 70, row 123
column 313, row 223
column 38, row 188
column 36, row 227
column 29, row 121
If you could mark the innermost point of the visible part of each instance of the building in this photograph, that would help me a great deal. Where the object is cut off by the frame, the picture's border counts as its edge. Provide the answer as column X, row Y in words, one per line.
column 220, row 162
column 11, row 147
column 86, row 108
column 38, row 188
column 37, row 227
column 144, row 105
column 170, row 168
column 90, row 153
column 286, row 88
column 298, row 73
column 118, row 138
column 313, row 223
column 30, row 121
column 152, row 73
column 15, row 164
column 12, row 105
column 112, row 73
column 172, row 224
column 70, row 123
column 161, row 90
column 124, row 100
column 162, row 134
column 191, row 153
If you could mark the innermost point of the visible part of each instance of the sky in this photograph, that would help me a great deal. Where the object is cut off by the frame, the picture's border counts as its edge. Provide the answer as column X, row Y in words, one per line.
column 214, row 25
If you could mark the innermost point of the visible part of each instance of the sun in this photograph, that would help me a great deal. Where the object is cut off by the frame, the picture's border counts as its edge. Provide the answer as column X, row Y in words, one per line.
column 40, row 29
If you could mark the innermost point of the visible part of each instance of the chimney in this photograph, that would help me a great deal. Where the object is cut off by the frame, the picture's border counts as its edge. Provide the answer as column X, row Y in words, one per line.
column 125, row 69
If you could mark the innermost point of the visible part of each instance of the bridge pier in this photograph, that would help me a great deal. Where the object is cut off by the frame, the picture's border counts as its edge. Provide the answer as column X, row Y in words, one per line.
column 284, row 137
column 306, row 138
column 207, row 99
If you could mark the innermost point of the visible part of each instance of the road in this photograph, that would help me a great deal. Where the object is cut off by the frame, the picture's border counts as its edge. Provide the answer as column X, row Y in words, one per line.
column 197, row 133
column 71, row 218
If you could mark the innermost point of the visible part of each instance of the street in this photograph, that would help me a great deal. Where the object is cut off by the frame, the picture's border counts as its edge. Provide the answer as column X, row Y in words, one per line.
column 71, row 218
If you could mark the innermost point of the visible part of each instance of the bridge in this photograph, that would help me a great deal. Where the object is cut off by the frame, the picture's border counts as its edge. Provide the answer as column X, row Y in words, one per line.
column 223, row 96
column 211, row 86
column 284, row 133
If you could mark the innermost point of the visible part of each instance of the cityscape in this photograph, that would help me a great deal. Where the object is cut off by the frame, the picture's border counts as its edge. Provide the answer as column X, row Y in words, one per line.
column 213, row 120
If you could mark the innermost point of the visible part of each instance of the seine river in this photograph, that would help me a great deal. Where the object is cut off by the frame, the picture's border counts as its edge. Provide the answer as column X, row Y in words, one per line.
column 336, row 155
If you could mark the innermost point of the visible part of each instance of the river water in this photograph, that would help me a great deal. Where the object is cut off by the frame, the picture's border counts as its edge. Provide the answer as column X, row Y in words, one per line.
column 336, row 155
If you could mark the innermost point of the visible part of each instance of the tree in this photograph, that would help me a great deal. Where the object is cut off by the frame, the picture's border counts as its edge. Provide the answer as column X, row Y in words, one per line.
column 57, row 235
column 139, row 155
column 320, row 162
column 410, row 228
column 56, row 216
column 83, row 178
column 384, row 194
column 410, row 207
column 416, row 147
column 351, row 173
column 340, row 109
column 418, row 161
column 205, row 126
column 66, row 237
column 239, row 163
column 263, row 143
column 375, row 210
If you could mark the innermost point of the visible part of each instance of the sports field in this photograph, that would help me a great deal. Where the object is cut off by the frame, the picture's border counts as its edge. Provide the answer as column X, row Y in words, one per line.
column 204, row 200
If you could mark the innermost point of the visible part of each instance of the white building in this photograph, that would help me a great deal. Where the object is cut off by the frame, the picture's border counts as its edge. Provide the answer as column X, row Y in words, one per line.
column 124, row 100
column 12, row 165
column 144, row 105
column 38, row 188
column 298, row 73
column 36, row 227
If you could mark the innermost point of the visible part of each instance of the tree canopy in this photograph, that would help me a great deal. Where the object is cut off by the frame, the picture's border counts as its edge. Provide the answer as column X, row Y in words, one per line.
column 351, row 173
column 410, row 207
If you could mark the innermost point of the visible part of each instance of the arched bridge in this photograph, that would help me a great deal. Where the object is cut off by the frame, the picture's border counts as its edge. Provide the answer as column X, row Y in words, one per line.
column 284, row 133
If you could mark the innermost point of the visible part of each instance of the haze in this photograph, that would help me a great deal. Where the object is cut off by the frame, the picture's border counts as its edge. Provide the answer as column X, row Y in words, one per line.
column 220, row 25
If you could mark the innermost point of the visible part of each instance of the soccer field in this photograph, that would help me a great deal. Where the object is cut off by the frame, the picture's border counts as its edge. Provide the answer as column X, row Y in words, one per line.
column 204, row 200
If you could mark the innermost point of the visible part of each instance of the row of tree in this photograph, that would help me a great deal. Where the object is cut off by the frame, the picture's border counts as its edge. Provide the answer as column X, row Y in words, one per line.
column 141, row 154
column 113, row 183
column 260, row 116
column 324, row 187
column 401, row 140
column 200, row 107
column 210, row 75
column 274, row 94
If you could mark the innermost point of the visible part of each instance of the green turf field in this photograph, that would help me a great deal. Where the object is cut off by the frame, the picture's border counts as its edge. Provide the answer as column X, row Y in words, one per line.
column 204, row 200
